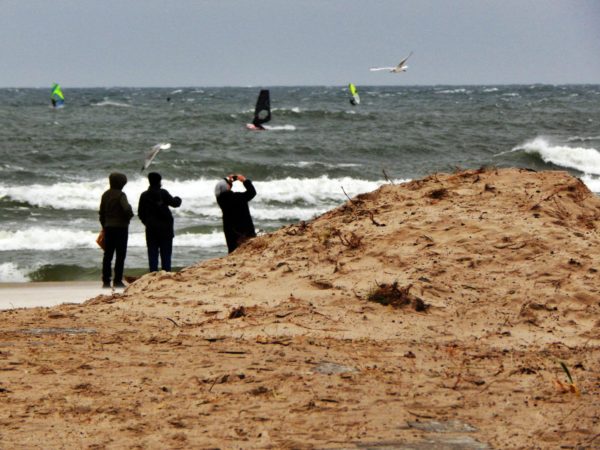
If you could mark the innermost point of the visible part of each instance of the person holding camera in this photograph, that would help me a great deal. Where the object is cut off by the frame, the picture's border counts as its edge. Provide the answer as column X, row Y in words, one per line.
column 237, row 221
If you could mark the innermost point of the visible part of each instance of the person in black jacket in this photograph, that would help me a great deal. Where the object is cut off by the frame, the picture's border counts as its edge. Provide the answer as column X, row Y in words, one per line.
column 237, row 221
column 154, row 212
column 115, row 214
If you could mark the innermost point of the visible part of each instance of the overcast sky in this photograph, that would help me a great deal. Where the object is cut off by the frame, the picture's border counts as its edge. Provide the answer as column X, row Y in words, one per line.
column 84, row 43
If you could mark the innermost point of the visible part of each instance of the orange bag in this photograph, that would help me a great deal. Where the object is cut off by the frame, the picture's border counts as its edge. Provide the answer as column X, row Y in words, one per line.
column 100, row 239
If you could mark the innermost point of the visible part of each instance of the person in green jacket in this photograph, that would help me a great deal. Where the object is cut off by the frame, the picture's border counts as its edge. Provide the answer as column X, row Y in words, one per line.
column 115, row 214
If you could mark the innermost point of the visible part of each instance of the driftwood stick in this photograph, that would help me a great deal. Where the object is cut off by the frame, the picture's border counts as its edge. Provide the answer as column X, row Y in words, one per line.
column 351, row 201
column 388, row 179
column 174, row 323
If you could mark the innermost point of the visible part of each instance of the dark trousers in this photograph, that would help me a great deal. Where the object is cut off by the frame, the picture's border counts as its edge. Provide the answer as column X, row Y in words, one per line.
column 159, row 244
column 115, row 241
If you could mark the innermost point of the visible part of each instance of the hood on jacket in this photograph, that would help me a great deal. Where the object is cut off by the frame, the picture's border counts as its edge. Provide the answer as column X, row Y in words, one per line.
column 154, row 179
column 222, row 187
column 117, row 180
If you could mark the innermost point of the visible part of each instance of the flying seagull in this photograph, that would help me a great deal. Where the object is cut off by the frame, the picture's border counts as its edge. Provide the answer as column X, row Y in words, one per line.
column 152, row 154
column 401, row 67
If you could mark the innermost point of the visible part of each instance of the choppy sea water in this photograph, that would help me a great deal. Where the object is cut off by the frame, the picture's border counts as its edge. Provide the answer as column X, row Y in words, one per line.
column 54, row 163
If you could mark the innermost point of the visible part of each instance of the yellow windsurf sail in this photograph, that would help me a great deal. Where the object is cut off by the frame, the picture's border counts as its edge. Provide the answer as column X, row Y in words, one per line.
column 355, row 99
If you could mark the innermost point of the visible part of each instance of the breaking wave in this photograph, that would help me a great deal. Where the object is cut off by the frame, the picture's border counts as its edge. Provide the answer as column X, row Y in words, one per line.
column 53, row 239
column 583, row 159
column 197, row 194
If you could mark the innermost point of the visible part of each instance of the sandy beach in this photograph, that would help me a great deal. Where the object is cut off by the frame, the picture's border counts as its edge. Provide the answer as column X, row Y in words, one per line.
column 461, row 310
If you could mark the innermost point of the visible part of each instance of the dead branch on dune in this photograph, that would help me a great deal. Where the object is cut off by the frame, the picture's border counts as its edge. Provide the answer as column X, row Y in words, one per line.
column 358, row 212
column 350, row 240
column 388, row 179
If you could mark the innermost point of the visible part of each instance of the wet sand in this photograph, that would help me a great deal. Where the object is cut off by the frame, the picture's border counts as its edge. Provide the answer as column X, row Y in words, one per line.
column 432, row 314
column 27, row 295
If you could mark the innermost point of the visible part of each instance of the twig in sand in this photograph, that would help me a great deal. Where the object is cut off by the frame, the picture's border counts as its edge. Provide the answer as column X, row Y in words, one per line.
column 388, row 179
column 174, row 323
column 592, row 439
column 369, row 212
column 351, row 240
column 351, row 201
column 374, row 221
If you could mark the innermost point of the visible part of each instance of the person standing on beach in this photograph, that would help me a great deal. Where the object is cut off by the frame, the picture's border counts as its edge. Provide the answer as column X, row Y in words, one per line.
column 115, row 214
column 154, row 212
column 237, row 221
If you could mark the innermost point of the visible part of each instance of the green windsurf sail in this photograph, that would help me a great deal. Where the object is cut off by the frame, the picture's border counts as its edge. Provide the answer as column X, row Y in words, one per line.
column 56, row 96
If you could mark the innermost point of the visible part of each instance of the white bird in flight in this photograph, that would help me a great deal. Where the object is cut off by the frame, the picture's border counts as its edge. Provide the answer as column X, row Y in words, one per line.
column 152, row 154
column 401, row 67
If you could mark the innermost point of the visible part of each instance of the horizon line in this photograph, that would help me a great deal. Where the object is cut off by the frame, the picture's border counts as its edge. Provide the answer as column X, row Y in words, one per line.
column 299, row 85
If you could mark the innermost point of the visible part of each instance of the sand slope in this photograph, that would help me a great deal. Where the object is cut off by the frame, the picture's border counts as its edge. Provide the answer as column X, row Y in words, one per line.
column 279, row 346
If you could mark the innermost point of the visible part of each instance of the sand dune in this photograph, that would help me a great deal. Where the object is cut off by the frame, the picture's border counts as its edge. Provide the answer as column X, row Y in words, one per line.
column 492, row 281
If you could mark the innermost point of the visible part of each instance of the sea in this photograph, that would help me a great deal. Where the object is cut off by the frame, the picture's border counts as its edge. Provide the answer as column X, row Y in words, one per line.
column 55, row 163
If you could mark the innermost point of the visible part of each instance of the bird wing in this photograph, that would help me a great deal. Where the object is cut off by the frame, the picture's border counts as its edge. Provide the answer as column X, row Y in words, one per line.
column 153, row 152
column 375, row 69
column 401, row 63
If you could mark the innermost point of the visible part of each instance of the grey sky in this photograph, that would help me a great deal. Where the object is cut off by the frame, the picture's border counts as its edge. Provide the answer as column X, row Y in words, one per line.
column 297, row 42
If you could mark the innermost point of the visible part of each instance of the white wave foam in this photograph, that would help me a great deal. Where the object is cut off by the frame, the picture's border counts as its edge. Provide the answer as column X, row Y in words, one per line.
column 65, row 195
column 494, row 89
column 37, row 238
column 12, row 168
column 314, row 191
column 586, row 160
column 583, row 138
column 280, row 127
column 112, row 103
column 593, row 183
column 453, row 91
column 294, row 109
column 295, row 198
column 214, row 239
column 304, row 164
column 51, row 239
column 286, row 200
column 11, row 273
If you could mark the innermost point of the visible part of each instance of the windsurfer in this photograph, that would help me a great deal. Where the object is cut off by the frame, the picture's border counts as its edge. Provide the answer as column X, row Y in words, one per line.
column 56, row 97
column 354, row 98
column 258, row 124
column 262, row 111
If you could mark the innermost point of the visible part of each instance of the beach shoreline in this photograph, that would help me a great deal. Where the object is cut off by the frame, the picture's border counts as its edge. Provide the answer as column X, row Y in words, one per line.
column 48, row 293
